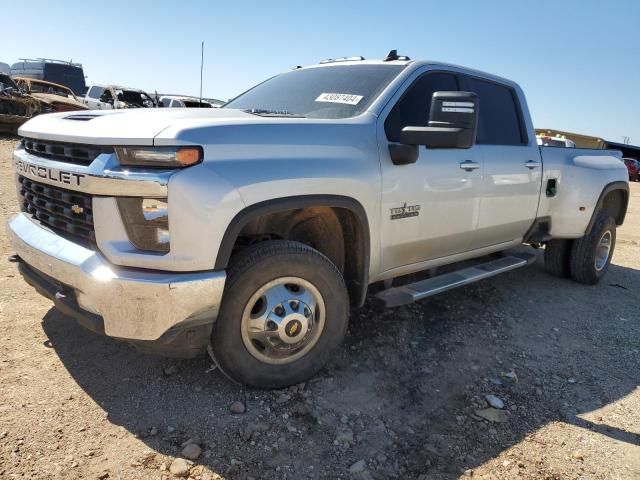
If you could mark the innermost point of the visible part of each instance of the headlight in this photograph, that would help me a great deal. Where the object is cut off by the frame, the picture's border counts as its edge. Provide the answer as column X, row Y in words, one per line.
column 146, row 221
column 162, row 157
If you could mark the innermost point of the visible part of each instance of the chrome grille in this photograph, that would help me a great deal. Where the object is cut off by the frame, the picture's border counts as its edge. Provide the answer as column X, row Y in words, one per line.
column 67, row 212
column 74, row 153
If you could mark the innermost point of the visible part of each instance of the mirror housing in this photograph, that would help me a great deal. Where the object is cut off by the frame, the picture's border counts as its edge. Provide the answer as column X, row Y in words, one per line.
column 453, row 122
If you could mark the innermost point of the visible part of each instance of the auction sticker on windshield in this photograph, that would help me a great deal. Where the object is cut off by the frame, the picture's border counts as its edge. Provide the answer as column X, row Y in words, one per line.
column 346, row 98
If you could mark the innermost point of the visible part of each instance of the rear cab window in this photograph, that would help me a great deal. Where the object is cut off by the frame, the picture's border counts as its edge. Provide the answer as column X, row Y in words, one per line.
column 500, row 120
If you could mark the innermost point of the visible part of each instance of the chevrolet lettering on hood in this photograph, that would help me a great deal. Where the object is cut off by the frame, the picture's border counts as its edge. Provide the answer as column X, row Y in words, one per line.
column 51, row 174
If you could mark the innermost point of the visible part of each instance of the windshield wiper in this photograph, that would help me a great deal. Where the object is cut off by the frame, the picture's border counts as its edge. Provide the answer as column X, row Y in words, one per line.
column 263, row 112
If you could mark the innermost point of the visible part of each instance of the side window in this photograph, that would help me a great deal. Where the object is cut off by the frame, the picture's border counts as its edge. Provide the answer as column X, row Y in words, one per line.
column 95, row 92
column 106, row 96
column 413, row 107
column 166, row 102
column 498, row 121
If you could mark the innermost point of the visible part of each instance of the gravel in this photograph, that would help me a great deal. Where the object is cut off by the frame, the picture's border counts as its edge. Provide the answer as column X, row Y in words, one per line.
column 400, row 400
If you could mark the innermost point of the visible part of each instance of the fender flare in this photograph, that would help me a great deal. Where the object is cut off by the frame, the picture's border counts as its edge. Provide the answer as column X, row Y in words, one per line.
column 276, row 205
column 610, row 187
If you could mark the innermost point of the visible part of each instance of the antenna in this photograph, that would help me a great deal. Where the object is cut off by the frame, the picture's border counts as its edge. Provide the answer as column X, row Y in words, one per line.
column 201, row 68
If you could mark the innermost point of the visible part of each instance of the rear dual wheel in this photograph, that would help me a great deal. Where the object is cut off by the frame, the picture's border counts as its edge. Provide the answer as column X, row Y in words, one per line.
column 586, row 259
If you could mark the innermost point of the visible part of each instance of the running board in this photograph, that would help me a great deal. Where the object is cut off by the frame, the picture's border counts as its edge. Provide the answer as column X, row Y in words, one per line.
column 407, row 294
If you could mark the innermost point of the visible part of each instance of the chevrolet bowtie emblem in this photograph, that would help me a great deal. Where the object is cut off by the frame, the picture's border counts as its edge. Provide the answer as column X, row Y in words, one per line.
column 77, row 209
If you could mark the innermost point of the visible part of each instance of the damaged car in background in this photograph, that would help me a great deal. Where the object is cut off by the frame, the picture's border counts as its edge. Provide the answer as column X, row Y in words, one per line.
column 109, row 97
column 52, row 96
column 16, row 107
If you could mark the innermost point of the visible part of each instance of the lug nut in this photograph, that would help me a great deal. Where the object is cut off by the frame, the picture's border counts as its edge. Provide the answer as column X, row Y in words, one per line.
column 279, row 311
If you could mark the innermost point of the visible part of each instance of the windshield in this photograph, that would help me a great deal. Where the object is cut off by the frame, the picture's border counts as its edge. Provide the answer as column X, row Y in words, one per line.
column 6, row 82
column 68, row 75
column 133, row 97
column 195, row 104
column 339, row 91
column 552, row 142
column 37, row 87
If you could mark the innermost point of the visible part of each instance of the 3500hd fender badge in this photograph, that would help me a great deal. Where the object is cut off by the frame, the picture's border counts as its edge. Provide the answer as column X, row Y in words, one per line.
column 59, row 176
column 405, row 211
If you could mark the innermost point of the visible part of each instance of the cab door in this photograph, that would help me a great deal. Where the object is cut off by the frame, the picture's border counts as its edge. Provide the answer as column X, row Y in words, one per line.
column 430, row 207
column 512, row 165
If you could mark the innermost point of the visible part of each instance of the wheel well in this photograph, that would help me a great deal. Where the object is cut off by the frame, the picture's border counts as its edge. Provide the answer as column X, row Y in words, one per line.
column 340, row 233
column 615, row 204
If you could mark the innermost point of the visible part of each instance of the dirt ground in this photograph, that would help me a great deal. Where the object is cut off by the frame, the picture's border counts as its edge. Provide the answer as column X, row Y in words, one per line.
column 401, row 400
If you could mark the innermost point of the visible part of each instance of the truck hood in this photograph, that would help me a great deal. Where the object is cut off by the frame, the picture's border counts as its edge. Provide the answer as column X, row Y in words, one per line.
column 124, row 127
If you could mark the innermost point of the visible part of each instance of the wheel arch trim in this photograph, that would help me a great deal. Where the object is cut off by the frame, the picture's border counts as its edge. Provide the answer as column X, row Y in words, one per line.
column 276, row 205
column 611, row 187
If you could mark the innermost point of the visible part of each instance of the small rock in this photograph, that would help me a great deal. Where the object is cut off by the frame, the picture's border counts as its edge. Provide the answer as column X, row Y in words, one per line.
column 190, row 441
column 358, row 467
column 238, row 408
column 494, row 401
column 170, row 370
column 253, row 430
column 492, row 414
column 468, row 473
column 506, row 463
column 282, row 399
column 191, row 451
column 511, row 375
column 571, row 380
column 170, row 429
column 153, row 431
column 578, row 455
column 103, row 476
column 180, row 467
column 345, row 437
column 344, row 419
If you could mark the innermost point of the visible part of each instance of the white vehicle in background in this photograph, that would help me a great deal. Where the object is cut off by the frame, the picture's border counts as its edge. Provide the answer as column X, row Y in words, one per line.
column 109, row 97
column 5, row 68
column 175, row 101
column 545, row 141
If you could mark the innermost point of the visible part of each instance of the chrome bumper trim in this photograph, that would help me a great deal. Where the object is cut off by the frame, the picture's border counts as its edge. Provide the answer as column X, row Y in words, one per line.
column 135, row 304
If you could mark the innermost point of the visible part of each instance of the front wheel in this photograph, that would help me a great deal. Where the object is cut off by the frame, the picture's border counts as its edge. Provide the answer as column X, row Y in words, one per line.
column 284, row 314
column 591, row 254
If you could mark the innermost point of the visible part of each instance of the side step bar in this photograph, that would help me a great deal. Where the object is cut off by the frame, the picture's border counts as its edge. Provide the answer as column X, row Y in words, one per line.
column 407, row 294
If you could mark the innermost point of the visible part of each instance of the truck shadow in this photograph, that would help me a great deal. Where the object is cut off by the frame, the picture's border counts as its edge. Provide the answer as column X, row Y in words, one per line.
column 403, row 391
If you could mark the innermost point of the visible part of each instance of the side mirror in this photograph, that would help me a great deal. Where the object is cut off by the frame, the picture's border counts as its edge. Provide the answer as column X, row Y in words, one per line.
column 453, row 122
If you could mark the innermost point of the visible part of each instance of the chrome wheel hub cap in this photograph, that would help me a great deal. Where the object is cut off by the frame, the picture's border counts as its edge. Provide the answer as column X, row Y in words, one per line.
column 283, row 320
column 603, row 250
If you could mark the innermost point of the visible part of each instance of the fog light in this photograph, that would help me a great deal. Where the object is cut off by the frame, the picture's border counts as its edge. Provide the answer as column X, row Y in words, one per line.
column 146, row 221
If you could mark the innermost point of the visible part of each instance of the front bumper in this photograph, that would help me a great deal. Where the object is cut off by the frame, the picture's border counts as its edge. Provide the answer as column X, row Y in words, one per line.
column 147, row 307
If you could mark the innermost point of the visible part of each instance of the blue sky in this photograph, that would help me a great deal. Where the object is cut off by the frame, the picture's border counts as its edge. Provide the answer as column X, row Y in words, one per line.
column 578, row 61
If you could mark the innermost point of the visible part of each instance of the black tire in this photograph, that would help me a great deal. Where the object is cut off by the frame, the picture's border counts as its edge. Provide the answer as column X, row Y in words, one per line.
column 584, row 251
column 249, row 271
column 557, row 257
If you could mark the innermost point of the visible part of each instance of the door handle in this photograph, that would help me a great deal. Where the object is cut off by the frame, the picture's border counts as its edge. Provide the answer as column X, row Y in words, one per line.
column 531, row 164
column 469, row 166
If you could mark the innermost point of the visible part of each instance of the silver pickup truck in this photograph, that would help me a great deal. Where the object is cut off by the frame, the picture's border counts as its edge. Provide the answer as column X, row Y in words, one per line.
column 250, row 230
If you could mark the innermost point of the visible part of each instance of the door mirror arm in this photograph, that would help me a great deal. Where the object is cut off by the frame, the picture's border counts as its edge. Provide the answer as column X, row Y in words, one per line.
column 403, row 153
